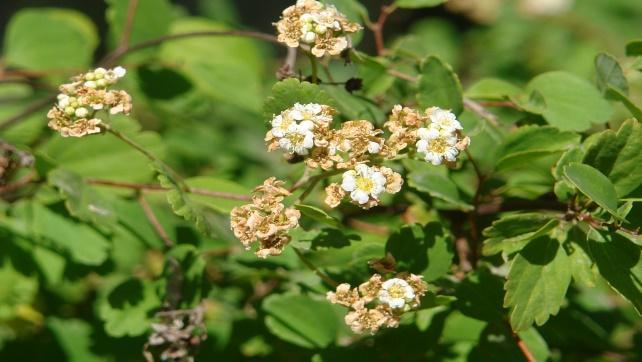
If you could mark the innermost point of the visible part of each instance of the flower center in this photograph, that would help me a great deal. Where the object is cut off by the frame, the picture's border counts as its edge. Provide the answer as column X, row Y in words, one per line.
column 438, row 145
column 296, row 138
column 365, row 184
column 397, row 291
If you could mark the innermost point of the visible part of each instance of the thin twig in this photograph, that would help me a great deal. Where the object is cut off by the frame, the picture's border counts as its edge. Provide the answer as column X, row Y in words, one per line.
column 287, row 69
column 377, row 28
column 368, row 227
column 32, row 108
column 153, row 220
column 479, row 110
column 600, row 224
column 25, row 180
column 403, row 76
column 522, row 346
column 316, row 271
column 119, row 53
column 128, row 28
column 156, row 187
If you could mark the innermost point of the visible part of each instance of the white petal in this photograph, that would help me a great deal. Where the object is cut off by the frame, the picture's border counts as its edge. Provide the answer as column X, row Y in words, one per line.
column 306, row 125
column 349, row 183
column 363, row 170
column 308, row 141
column 396, row 303
column 296, row 114
column 120, row 71
column 374, row 147
column 359, row 196
column 422, row 146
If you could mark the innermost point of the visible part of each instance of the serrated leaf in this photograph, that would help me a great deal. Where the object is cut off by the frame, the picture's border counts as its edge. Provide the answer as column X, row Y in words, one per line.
column 46, row 39
column 424, row 250
column 319, row 215
column 620, row 264
column 609, row 74
column 592, row 183
column 580, row 259
column 290, row 91
column 300, row 320
column 438, row 185
column 83, row 201
column 439, row 86
column 532, row 142
column 83, row 244
column 537, row 282
column 567, row 102
column 206, row 219
column 618, row 156
column 511, row 233
column 415, row 4
column 127, row 307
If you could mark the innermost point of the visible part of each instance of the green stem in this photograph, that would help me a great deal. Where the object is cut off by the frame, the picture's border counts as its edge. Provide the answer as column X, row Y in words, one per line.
column 316, row 271
column 147, row 154
column 313, row 64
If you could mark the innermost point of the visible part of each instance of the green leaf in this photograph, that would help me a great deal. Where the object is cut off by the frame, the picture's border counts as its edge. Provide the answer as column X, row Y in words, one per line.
column 580, row 259
column 480, row 296
column 300, row 320
column 511, row 233
column 83, row 244
column 228, row 69
column 414, row 4
column 319, row 215
column 103, row 156
column 609, row 74
column 428, row 179
column 634, row 48
column 207, row 220
column 566, row 101
column 290, row 91
column 424, row 250
column 617, row 95
column 75, row 338
column 83, row 201
column 492, row 89
column 537, row 283
column 620, row 264
column 532, row 142
column 46, row 39
column 127, row 307
column 618, row 155
column 439, row 86
column 592, row 183
column 355, row 106
column 152, row 20
column 215, row 184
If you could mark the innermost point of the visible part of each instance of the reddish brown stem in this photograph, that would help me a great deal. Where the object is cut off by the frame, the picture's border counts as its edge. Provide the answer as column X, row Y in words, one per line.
column 377, row 28
column 523, row 347
column 156, row 187
column 153, row 220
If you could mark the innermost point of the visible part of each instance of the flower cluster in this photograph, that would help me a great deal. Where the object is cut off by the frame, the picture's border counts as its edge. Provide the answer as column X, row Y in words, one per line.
column 364, row 184
column 75, row 113
column 296, row 130
column 178, row 334
column 378, row 303
column 317, row 25
column 266, row 219
column 441, row 141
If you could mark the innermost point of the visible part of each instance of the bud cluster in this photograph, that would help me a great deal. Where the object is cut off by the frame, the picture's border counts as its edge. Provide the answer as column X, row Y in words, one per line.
column 75, row 113
column 266, row 219
column 378, row 303
column 317, row 25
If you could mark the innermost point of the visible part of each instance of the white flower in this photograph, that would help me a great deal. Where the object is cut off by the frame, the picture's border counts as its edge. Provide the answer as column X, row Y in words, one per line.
column 445, row 120
column 436, row 150
column 396, row 293
column 309, row 112
column 63, row 101
column 300, row 139
column 363, row 183
column 119, row 71
column 90, row 84
column 282, row 126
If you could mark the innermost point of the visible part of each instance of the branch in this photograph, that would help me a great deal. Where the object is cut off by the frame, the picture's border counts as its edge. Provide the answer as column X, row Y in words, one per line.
column 377, row 28
column 479, row 110
column 156, row 187
column 119, row 53
column 316, row 271
column 153, row 220
column 522, row 346
column 601, row 224
column 32, row 108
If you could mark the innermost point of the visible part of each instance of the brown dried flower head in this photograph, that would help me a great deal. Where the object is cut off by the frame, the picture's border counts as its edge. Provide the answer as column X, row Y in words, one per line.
column 378, row 303
column 76, row 112
column 317, row 25
column 364, row 184
column 266, row 220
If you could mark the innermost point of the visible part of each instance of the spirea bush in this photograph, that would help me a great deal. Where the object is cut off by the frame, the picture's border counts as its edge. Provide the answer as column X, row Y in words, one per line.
column 329, row 191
